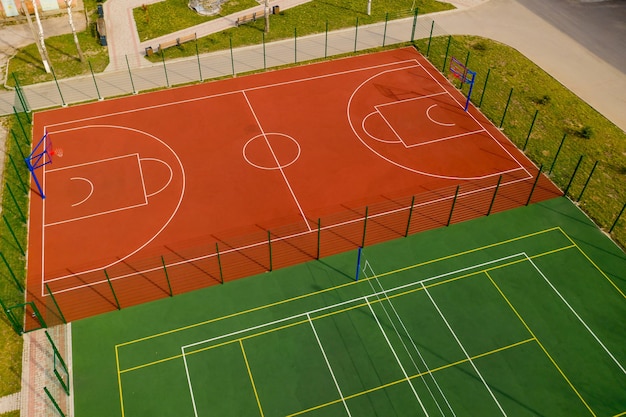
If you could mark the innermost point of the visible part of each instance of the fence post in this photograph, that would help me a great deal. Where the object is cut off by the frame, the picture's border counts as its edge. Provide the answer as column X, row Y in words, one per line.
column 232, row 58
column 112, row 290
column 443, row 68
column 482, row 95
column 15, row 280
column 269, row 245
column 55, row 303
column 17, row 206
column 167, row 276
column 319, row 229
column 20, row 95
column 617, row 219
column 326, row 41
column 456, row 194
column 198, row 55
column 530, row 130
column 93, row 77
column 130, row 74
column 358, row 263
column 569, row 184
column 56, row 405
column 385, row 30
column 508, row 101
column 414, row 24
column 580, row 196
column 364, row 226
column 408, row 223
column 167, row 80
column 532, row 190
column 430, row 38
column 495, row 193
column 13, row 234
column 63, row 103
column 264, row 55
column 557, row 153
column 219, row 262
column 356, row 32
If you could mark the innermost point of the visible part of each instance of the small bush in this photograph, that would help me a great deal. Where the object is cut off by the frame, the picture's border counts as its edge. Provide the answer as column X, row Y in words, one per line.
column 585, row 132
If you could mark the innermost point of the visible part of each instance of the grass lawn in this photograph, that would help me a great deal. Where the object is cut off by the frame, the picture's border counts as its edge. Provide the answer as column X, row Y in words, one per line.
column 307, row 19
column 14, row 212
column 64, row 58
column 154, row 20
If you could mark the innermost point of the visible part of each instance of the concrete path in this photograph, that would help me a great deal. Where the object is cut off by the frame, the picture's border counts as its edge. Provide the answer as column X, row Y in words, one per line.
column 10, row 403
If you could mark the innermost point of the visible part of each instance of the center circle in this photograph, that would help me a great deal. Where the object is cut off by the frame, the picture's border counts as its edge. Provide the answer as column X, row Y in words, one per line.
column 271, row 151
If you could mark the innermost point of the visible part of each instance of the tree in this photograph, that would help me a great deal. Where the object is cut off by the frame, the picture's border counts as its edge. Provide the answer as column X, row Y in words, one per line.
column 41, row 46
column 68, row 4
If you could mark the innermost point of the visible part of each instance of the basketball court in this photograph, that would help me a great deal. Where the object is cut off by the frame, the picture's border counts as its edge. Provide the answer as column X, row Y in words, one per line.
column 164, row 173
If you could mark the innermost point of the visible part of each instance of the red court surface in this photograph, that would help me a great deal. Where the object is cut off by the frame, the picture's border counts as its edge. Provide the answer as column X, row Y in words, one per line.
column 149, row 184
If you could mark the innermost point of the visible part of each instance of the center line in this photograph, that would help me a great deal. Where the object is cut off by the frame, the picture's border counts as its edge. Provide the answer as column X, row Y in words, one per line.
column 277, row 162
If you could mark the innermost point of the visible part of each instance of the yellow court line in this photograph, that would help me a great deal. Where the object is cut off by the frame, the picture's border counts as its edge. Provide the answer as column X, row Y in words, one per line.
column 540, row 344
column 594, row 264
column 418, row 375
column 333, row 288
column 256, row 394
column 620, row 414
column 343, row 310
column 119, row 379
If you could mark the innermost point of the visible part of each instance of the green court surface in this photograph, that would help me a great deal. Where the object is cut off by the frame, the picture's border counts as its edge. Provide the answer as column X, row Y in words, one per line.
column 522, row 313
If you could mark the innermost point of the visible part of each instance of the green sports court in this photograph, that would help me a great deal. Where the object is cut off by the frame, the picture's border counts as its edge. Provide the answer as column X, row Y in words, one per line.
column 521, row 313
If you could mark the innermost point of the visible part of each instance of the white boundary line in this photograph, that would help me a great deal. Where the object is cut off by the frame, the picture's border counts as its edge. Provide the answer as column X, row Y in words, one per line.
column 463, row 349
column 174, row 103
column 575, row 313
column 395, row 355
column 193, row 398
column 343, row 400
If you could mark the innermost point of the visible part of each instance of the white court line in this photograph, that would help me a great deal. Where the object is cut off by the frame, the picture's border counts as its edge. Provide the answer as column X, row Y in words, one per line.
column 100, row 213
column 264, row 242
column 343, row 400
column 175, row 210
column 575, row 313
column 90, row 190
column 463, row 349
column 395, row 355
column 406, row 332
column 94, row 162
column 293, row 194
column 476, row 120
column 414, row 63
column 354, row 300
column 436, row 121
column 445, row 91
column 193, row 398
column 168, row 181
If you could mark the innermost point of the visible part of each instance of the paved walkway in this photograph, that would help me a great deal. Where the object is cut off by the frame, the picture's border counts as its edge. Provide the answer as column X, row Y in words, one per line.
column 507, row 21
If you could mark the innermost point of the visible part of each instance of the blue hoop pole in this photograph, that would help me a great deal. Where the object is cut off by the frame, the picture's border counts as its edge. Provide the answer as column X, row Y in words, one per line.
column 358, row 263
